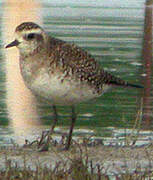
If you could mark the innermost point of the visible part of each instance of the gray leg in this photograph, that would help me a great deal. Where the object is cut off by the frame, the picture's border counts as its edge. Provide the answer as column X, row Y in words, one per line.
column 46, row 145
column 54, row 123
column 55, row 118
column 73, row 119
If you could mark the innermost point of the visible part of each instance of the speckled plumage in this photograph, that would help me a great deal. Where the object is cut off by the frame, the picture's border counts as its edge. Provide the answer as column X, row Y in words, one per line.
column 82, row 65
column 59, row 72
column 27, row 26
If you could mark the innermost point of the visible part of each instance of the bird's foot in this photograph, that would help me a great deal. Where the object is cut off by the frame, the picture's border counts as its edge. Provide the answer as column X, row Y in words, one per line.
column 44, row 147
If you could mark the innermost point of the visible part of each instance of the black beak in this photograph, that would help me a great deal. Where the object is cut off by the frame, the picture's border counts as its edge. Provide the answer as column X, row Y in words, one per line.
column 13, row 43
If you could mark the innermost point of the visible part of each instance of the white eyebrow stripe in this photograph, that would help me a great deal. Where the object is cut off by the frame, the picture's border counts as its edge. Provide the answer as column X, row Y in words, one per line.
column 35, row 31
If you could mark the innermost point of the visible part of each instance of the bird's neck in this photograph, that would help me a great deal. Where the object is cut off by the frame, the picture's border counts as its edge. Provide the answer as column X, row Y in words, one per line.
column 31, row 52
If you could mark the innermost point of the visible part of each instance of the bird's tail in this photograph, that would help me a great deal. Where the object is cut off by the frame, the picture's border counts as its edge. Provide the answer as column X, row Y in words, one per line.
column 134, row 85
column 122, row 83
column 115, row 81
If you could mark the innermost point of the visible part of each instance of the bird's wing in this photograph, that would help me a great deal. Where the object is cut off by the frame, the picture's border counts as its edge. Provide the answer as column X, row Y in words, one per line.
column 83, row 66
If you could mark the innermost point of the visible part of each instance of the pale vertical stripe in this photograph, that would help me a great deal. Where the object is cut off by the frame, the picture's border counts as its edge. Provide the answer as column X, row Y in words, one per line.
column 21, row 104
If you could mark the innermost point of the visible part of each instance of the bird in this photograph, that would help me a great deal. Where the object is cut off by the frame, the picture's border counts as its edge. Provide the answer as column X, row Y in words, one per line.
column 59, row 72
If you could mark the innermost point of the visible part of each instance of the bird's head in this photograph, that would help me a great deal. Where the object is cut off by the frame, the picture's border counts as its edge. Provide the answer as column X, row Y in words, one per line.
column 29, row 38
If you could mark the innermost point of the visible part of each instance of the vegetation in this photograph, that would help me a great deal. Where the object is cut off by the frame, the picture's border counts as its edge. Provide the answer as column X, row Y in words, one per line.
column 86, row 160
column 80, row 163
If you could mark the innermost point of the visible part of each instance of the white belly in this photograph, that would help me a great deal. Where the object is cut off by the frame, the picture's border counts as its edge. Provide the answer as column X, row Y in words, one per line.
column 52, row 89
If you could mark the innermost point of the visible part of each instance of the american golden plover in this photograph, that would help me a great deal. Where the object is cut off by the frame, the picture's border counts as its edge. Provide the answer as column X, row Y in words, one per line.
column 59, row 72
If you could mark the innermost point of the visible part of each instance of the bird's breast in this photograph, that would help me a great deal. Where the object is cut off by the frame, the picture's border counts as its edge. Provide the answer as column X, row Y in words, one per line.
column 61, row 91
column 56, row 90
column 55, row 87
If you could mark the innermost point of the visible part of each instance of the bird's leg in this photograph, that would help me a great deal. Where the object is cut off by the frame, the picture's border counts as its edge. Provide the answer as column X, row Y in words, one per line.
column 46, row 145
column 54, row 122
column 55, row 119
column 73, row 119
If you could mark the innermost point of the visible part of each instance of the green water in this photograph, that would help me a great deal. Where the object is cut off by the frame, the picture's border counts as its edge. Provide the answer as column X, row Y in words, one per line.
column 116, row 42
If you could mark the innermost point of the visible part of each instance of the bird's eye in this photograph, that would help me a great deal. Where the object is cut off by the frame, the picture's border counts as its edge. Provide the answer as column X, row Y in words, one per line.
column 30, row 36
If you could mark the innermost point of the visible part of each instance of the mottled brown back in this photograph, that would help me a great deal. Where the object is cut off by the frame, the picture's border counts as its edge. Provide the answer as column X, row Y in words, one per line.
column 74, row 60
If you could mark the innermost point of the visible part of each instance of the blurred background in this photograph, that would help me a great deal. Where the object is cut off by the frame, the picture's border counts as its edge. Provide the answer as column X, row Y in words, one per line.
column 113, row 32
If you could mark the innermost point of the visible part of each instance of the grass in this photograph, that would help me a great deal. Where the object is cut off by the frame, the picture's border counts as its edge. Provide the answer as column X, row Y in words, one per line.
column 81, row 162
column 78, row 170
